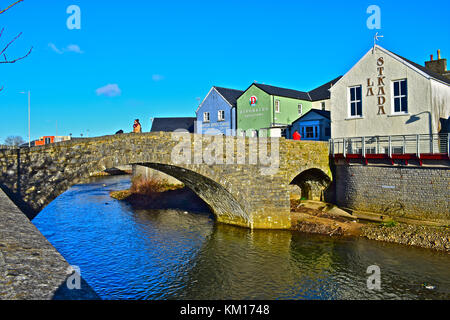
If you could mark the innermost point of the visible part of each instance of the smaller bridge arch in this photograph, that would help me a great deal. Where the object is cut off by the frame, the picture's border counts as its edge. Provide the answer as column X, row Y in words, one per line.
column 310, row 184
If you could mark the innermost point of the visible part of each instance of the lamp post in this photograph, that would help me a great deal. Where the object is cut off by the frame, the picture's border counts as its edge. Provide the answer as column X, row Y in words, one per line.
column 29, row 117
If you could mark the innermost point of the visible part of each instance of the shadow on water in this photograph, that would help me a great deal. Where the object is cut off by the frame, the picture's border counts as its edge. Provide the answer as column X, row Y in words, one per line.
column 129, row 253
column 84, row 293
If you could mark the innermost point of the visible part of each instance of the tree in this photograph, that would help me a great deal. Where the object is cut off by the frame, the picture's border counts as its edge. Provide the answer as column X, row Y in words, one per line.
column 14, row 141
column 3, row 51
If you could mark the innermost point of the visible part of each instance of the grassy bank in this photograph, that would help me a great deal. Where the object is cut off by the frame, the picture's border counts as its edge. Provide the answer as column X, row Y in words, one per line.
column 144, row 187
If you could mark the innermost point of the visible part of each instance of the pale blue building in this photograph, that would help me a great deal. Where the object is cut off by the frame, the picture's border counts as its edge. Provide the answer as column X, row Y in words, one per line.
column 217, row 112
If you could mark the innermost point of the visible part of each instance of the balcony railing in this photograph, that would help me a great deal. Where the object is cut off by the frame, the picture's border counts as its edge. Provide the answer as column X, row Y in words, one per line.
column 418, row 146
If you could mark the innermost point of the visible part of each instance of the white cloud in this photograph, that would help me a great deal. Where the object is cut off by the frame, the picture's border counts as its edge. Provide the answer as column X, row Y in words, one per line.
column 110, row 90
column 157, row 77
column 54, row 48
column 70, row 48
column 74, row 48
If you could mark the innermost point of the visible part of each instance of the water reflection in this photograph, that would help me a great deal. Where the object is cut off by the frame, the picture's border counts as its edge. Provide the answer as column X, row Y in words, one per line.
column 174, row 254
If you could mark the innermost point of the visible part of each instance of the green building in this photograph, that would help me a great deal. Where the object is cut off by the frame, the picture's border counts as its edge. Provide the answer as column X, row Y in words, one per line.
column 266, row 111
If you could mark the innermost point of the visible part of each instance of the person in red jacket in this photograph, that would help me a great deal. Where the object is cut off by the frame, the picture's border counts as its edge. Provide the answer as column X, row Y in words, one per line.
column 296, row 136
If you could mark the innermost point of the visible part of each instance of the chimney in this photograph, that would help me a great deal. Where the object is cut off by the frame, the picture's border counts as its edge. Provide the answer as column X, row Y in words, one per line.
column 439, row 66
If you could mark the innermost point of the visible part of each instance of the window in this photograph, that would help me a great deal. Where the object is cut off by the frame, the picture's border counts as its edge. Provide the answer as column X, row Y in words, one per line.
column 323, row 105
column 221, row 115
column 309, row 132
column 300, row 109
column 355, row 102
column 328, row 132
column 205, row 116
column 48, row 140
column 277, row 106
column 400, row 96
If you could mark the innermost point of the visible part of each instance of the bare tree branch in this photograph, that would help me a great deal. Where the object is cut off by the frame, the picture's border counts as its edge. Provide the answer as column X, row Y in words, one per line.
column 4, row 10
column 3, row 51
column 17, row 59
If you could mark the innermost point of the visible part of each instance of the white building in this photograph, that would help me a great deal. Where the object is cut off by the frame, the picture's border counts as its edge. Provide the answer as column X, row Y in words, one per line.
column 386, row 94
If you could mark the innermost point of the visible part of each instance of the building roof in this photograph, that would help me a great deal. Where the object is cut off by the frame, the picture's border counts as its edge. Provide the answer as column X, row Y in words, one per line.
column 323, row 113
column 415, row 66
column 320, row 93
column 230, row 95
column 172, row 124
column 323, row 92
column 422, row 68
column 283, row 92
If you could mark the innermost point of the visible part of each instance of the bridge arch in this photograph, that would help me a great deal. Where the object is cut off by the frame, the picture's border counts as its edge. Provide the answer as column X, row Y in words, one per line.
column 224, row 206
column 310, row 184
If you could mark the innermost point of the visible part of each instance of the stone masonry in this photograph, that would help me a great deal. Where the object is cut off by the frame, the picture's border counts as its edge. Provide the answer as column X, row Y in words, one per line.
column 250, row 193
column 414, row 192
column 30, row 267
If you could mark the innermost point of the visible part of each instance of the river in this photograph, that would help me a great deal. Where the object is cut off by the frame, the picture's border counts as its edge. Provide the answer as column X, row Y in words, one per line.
column 182, row 253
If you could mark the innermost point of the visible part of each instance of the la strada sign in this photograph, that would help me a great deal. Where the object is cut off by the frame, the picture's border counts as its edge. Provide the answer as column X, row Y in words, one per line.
column 375, row 88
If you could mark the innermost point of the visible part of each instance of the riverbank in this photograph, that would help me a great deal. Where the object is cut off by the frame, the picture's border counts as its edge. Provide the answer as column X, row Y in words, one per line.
column 437, row 238
column 322, row 218
column 327, row 219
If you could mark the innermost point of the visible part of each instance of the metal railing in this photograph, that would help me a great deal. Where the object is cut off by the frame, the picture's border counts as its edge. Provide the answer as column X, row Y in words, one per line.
column 416, row 144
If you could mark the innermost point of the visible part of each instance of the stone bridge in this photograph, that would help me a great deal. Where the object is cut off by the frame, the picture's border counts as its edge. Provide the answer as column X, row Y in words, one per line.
column 244, row 181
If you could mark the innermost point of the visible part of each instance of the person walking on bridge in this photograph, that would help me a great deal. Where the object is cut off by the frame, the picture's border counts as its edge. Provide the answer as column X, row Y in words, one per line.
column 137, row 126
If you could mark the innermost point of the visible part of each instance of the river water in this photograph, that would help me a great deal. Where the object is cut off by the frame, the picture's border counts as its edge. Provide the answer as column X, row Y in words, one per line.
column 171, row 253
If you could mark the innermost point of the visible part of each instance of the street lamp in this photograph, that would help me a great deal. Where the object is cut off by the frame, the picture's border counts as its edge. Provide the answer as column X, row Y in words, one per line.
column 29, row 117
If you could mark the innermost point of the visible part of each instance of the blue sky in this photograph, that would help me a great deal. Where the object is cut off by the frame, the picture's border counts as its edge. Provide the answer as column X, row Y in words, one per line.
column 158, row 57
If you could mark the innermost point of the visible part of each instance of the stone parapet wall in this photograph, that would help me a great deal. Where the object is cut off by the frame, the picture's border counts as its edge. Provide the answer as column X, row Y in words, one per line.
column 30, row 267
